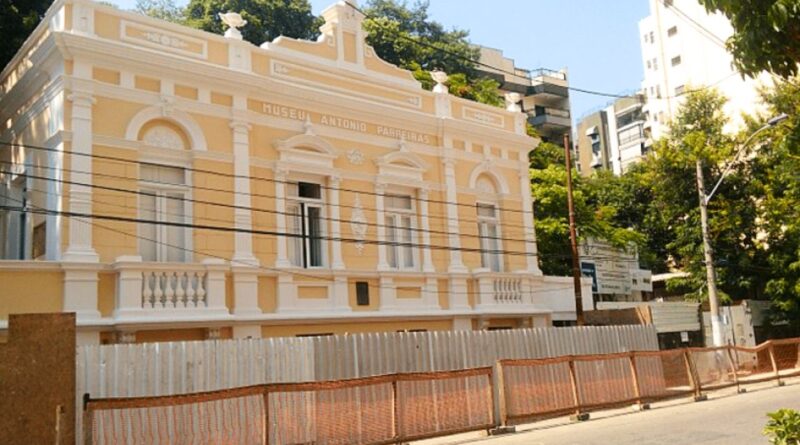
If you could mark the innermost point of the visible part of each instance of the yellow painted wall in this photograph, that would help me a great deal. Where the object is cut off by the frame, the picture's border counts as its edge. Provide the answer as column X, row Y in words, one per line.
column 19, row 296
column 106, row 293
column 267, row 290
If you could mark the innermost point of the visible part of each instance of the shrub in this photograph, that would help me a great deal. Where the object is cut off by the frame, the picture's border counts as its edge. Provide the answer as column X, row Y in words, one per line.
column 783, row 427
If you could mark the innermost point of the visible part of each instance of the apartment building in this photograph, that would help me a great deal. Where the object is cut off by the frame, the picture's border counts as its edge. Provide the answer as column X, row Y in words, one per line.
column 544, row 93
column 683, row 48
column 166, row 183
column 614, row 137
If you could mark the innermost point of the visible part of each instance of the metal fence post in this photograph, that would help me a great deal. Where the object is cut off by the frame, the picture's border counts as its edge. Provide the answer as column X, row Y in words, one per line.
column 774, row 363
column 734, row 368
column 498, row 395
column 574, row 382
column 396, row 410
column 690, row 371
column 266, row 414
column 636, row 388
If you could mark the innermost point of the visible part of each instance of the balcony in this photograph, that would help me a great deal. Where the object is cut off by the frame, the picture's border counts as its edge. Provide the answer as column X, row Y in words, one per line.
column 175, row 291
column 552, row 119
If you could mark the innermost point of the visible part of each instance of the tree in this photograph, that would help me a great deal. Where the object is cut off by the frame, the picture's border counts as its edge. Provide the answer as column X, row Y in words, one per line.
column 766, row 34
column 18, row 18
column 593, row 217
column 161, row 9
column 407, row 37
column 266, row 19
column 778, row 168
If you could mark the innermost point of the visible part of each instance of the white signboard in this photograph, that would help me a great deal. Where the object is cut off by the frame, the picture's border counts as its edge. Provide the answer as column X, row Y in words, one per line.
column 642, row 280
column 616, row 270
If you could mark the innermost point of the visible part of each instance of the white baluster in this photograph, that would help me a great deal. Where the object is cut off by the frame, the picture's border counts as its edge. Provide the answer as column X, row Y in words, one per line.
column 201, row 289
column 147, row 291
column 172, row 285
column 158, row 289
column 180, row 290
column 191, row 294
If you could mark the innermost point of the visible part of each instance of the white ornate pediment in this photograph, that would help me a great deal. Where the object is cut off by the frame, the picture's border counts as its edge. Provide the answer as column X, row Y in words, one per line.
column 163, row 137
column 402, row 165
column 307, row 149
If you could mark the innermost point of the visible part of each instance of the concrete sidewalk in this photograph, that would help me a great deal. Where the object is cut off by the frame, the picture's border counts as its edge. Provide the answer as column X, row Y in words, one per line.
column 725, row 419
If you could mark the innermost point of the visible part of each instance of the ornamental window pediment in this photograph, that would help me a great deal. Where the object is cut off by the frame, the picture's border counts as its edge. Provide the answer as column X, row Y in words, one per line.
column 402, row 166
column 307, row 149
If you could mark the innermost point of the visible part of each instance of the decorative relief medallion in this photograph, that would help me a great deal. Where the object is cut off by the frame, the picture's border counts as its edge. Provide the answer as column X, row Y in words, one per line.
column 355, row 157
column 280, row 68
column 163, row 137
column 358, row 225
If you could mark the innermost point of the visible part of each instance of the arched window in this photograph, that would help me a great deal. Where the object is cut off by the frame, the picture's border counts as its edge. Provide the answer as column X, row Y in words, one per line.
column 487, row 209
column 163, row 199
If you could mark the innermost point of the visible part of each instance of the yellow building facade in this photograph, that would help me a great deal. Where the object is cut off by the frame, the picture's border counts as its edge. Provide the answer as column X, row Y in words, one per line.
column 166, row 183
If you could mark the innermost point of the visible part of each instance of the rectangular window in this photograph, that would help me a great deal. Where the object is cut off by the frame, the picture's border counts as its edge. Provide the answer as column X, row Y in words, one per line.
column 679, row 90
column 655, row 63
column 362, row 293
column 489, row 236
column 676, row 61
column 649, row 64
column 652, row 37
column 672, row 31
column 400, row 231
column 305, row 225
column 163, row 204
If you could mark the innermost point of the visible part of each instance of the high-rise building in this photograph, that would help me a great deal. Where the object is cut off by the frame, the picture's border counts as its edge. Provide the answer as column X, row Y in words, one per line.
column 683, row 48
column 612, row 138
column 545, row 93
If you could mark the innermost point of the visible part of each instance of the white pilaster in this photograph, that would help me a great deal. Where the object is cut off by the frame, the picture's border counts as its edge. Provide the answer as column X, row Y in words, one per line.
column 80, row 196
column 245, row 291
column 456, row 264
column 242, row 215
column 80, row 290
column 282, row 259
column 427, row 260
column 528, row 220
column 380, row 221
column 215, row 284
column 336, row 226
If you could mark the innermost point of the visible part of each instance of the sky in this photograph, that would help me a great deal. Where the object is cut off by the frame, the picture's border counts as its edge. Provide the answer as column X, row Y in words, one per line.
column 596, row 40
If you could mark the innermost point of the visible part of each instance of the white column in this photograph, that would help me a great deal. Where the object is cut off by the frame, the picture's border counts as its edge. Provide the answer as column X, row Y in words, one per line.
column 242, row 214
column 527, row 215
column 282, row 259
column 80, row 196
column 380, row 221
column 427, row 261
column 456, row 264
column 336, row 227
column 215, row 286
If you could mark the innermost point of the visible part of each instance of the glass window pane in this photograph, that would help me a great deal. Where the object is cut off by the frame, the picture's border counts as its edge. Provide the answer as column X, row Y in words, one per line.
column 176, row 235
column 494, row 247
column 486, row 210
column 147, row 232
column 408, row 250
column 391, row 238
column 402, row 202
column 163, row 174
column 314, row 237
column 295, row 243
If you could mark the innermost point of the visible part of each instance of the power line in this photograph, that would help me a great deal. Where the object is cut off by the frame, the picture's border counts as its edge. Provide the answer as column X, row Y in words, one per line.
column 230, row 260
column 703, row 30
column 248, row 177
column 465, row 58
column 233, row 206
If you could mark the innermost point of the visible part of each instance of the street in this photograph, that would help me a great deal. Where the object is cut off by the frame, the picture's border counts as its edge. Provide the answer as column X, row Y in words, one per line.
column 722, row 420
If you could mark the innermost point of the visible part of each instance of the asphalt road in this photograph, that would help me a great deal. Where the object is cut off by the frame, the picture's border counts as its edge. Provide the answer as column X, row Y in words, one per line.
column 735, row 419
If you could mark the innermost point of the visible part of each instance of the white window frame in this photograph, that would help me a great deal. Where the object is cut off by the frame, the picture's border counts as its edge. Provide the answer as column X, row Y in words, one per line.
column 488, row 260
column 161, row 190
column 295, row 201
column 394, row 233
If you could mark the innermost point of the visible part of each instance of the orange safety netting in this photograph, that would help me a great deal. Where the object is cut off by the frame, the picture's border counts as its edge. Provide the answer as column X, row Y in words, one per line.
column 402, row 407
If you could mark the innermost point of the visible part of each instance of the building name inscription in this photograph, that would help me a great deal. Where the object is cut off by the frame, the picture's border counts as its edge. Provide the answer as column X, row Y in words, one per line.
column 329, row 120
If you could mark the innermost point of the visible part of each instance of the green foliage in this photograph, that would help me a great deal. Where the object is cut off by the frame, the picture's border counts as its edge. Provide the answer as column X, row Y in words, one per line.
column 593, row 216
column 266, row 19
column 161, row 9
column 18, row 18
column 783, row 427
column 406, row 36
column 766, row 34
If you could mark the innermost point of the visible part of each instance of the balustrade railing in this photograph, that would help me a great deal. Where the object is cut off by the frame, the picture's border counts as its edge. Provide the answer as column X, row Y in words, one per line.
column 161, row 289
column 507, row 290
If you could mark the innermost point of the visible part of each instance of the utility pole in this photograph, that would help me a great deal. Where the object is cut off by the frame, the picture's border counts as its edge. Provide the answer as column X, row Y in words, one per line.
column 573, row 237
column 711, row 273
